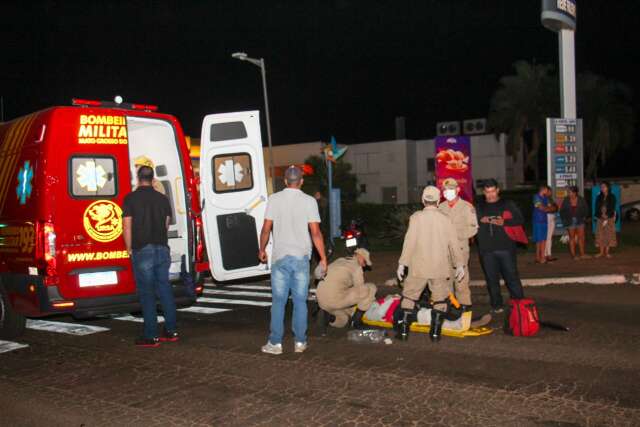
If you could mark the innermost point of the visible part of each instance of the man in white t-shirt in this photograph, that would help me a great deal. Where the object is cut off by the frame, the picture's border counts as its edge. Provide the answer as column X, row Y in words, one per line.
column 292, row 216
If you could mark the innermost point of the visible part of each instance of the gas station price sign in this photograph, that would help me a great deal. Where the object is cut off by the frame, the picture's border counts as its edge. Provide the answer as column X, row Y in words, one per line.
column 564, row 156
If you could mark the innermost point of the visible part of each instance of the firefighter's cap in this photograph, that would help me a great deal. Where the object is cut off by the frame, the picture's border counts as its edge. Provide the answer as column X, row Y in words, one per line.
column 430, row 194
column 450, row 183
column 143, row 161
column 364, row 254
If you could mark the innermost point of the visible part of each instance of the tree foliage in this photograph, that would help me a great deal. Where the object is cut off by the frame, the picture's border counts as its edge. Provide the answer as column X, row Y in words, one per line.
column 608, row 119
column 522, row 103
column 343, row 179
column 525, row 99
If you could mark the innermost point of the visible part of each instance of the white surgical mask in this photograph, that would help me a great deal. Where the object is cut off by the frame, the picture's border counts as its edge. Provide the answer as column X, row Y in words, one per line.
column 450, row 195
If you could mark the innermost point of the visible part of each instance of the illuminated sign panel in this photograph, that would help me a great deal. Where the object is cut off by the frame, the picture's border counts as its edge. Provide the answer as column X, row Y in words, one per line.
column 559, row 14
column 102, row 129
column 565, row 163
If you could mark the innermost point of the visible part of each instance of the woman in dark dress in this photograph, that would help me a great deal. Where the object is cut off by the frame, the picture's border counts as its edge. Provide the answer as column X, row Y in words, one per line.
column 574, row 212
column 606, row 216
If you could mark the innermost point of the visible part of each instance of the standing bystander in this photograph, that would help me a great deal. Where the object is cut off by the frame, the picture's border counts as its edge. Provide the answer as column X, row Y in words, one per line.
column 497, row 250
column 574, row 212
column 540, row 225
column 552, row 210
column 146, row 216
column 291, row 215
column 605, row 213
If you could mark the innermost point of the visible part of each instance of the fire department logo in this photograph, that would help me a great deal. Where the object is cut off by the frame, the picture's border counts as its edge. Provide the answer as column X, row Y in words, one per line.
column 103, row 220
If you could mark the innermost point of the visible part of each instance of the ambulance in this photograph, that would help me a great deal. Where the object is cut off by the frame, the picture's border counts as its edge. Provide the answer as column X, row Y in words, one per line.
column 64, row 173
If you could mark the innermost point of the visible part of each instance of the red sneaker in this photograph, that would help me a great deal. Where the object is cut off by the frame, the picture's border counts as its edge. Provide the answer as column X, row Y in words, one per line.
column 147, row 342
column 169, row 336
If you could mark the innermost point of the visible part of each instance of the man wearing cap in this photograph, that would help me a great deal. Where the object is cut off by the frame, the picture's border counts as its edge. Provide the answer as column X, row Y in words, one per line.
column 463, row 216
column 428, row 249
column 344, row 288
column 292, row 216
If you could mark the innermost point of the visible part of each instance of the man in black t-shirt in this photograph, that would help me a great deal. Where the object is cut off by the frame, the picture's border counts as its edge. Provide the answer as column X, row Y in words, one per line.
column 146, row 216
column 497, row 250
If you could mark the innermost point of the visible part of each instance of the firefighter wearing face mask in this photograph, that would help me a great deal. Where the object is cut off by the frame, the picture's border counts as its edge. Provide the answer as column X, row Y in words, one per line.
column 463, row 217
column 430, row 248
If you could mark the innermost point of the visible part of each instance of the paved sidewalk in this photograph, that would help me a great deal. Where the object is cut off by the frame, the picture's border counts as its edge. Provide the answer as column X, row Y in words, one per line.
column 624, row 264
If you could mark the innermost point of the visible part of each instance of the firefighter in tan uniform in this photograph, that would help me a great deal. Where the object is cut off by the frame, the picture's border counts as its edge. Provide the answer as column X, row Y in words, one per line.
column 343, row 288
column 463, row 216
column 430, row 248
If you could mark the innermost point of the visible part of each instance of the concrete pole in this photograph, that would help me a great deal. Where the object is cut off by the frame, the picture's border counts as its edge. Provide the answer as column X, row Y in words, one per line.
column 566, row 41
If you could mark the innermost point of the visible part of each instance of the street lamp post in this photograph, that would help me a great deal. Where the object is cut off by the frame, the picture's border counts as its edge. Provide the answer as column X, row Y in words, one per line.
column 260, row 63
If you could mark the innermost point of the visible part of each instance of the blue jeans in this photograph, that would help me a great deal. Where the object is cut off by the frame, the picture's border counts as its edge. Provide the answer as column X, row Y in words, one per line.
column 501, row 263
column 151, row 268
column 289, row 274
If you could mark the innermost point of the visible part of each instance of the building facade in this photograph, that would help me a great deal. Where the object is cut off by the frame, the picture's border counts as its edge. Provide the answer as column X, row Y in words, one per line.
column 396, row 171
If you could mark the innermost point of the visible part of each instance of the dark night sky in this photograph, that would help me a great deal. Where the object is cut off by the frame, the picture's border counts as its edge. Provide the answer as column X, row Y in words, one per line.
column 333, row 67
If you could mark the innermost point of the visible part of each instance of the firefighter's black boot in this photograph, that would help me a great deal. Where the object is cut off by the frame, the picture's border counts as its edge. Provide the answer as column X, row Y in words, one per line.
column 326, row 319
column 356, row 319
column 435, row 330
column 403, row 325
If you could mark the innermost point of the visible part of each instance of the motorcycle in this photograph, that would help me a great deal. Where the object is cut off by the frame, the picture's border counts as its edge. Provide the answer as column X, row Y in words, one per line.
column 354, row 236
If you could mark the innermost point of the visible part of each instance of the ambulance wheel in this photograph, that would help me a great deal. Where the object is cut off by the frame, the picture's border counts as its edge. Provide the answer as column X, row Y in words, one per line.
column 12, row 324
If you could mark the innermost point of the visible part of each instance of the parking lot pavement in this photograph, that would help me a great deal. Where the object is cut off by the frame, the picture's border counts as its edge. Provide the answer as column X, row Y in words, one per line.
column 216, row 375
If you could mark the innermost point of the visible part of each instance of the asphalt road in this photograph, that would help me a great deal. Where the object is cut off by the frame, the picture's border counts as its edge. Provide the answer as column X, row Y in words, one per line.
column 216, row 374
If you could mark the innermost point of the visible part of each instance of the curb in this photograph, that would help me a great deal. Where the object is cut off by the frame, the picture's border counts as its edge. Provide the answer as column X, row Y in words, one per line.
column 604, row 279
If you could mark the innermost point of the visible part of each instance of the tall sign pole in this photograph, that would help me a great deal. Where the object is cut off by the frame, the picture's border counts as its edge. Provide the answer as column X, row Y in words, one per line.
column 564, row 135
column 332, row 153
column 560, row 16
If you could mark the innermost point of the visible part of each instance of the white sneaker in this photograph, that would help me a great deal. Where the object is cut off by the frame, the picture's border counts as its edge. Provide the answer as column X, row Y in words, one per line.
column 272, row 348
column 300, row 347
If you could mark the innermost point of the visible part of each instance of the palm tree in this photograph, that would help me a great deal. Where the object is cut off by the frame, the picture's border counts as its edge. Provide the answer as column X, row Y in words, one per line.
column 608, row 119
column 521, row 104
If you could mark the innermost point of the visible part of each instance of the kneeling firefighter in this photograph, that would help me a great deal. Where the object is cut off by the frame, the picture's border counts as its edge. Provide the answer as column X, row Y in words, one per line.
column 343, row 288
column 430, row 248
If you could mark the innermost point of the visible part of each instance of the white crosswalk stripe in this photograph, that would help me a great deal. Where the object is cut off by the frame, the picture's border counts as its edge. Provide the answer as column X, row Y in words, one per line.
column 258, row 287
column 217, row 299
column 204, row 310
column 64, row 328
column 237, row 293
column 235, row 301
column 6, row 346
column 130, row 318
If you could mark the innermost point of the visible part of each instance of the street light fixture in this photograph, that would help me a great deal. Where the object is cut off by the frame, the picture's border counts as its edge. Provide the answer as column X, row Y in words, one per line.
column 260, row 63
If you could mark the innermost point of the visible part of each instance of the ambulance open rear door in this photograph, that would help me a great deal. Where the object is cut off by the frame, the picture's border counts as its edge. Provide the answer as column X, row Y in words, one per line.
column 234, row 193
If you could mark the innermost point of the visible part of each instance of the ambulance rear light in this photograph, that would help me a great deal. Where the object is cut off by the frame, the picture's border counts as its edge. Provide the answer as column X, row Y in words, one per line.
column 199, row 239
column 46, row 251
column 85, row 103
column 63, row 304
column 113, row 104
column 144, row 107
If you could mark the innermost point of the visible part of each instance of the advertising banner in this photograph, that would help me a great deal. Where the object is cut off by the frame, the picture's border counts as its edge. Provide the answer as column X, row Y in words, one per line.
column 453, row 160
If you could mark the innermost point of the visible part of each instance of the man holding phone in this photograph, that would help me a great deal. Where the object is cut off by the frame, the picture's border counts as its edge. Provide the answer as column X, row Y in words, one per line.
column 497, row 250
